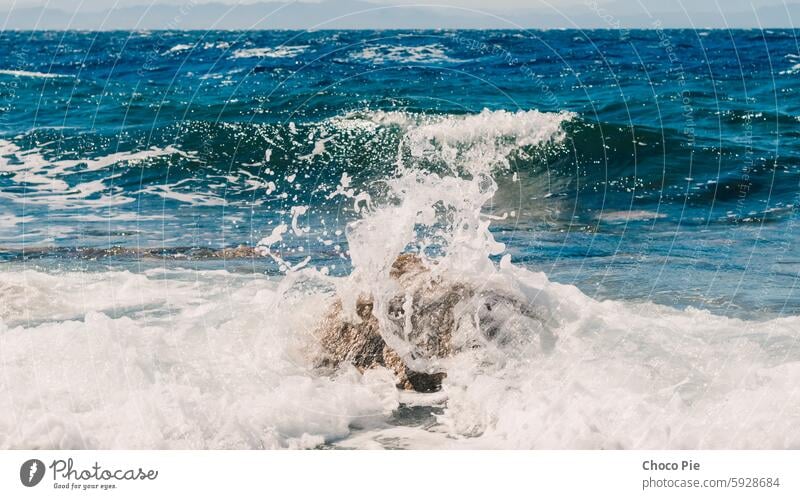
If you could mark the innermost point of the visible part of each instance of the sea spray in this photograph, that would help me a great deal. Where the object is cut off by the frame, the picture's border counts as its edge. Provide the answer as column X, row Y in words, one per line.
column 176, row 358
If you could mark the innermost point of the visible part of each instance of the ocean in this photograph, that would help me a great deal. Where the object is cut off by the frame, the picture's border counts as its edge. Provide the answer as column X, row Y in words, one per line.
column 178, row 210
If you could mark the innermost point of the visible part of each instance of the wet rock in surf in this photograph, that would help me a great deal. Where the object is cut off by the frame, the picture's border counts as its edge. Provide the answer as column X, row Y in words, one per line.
column 425, row 315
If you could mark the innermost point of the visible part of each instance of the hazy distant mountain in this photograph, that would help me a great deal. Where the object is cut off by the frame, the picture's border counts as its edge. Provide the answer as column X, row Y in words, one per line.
column 355, row 14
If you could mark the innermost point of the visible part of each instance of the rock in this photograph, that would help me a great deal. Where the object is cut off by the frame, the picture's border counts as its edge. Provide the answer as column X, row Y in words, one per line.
column 433, row 303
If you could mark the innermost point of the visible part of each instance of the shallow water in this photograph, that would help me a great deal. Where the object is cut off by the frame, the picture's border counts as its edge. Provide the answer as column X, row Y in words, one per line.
column 178, row 210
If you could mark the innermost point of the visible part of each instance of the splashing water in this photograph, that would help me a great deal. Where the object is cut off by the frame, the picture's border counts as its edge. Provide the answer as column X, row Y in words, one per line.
column 165, row 350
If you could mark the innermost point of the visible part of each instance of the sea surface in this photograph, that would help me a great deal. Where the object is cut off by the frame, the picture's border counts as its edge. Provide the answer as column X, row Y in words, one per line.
column 178, row 210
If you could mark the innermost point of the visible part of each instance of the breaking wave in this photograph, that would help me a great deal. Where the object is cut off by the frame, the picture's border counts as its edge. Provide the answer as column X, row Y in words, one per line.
column 174, row 358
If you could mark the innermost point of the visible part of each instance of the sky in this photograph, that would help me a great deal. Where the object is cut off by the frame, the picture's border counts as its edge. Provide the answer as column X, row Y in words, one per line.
column 690, row 5
column 87, row 14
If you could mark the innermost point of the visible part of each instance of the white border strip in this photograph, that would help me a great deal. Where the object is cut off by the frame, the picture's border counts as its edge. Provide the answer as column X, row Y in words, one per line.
column 407, row 474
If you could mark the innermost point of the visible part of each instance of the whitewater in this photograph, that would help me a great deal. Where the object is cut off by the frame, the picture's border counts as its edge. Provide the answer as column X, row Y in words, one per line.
column 165, row 355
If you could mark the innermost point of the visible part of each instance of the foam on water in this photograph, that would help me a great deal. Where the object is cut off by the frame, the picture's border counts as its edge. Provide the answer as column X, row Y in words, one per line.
column 181, row 47
column 283, row 52
column 30, row 74
column 420, row 54
column 177, row 360
column 11, row 220
column 186, row 359
column 47, row 183
column 629, row 216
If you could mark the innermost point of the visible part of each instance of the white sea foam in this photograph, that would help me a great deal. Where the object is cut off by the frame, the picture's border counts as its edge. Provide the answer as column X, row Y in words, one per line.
column 520, row 127
column 792, row 70
column 31, row 74
column 8, row 220
column 284, row 52
column 473, row 143
column 216, row 45
column 618, row 375
column 629, row 216
column 48, row 179
column 181, row 47
column 188, row 197
column 421, row 54
column 180, row 359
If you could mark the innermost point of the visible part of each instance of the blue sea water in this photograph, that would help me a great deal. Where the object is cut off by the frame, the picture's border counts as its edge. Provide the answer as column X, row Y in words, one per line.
column 677, row 182
column 674, row 180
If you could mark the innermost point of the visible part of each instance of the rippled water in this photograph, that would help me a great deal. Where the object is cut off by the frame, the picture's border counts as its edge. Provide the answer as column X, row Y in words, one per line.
column 177, row 210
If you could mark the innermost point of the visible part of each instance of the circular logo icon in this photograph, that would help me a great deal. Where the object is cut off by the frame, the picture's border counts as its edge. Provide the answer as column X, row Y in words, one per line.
column 31, row 472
